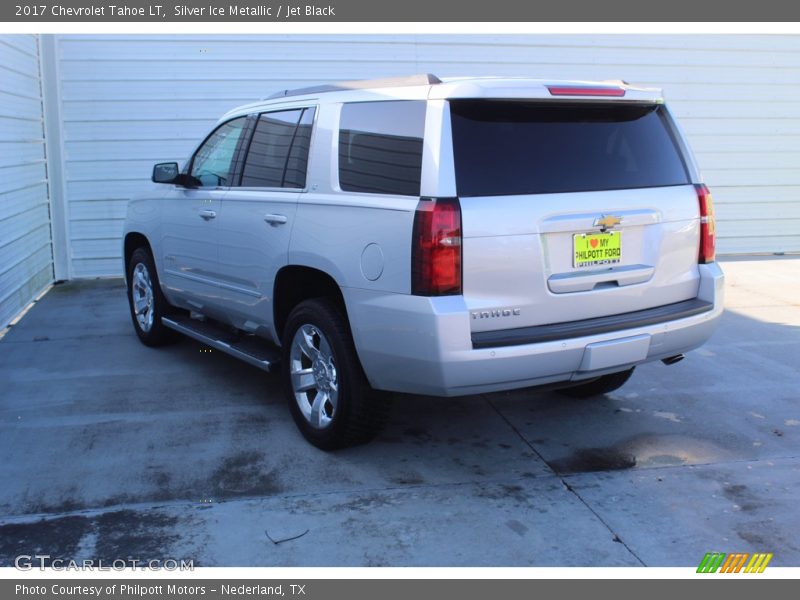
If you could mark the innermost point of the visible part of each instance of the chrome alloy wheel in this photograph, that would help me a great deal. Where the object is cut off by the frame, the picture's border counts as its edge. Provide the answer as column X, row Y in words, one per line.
column 313, row 374
column 143, row 297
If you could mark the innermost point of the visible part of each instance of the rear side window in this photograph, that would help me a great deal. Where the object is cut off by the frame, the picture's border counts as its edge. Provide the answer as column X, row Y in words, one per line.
column 278, row 152
column 380, row 147
column 504, row 147
column 297, row 163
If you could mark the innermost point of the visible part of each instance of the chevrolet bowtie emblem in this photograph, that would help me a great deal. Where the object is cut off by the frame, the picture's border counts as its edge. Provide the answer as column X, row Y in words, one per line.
column 607, row 221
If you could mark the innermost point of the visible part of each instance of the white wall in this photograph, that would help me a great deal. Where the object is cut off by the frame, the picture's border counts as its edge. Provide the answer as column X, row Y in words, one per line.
column 127, row 102
column 26, row 263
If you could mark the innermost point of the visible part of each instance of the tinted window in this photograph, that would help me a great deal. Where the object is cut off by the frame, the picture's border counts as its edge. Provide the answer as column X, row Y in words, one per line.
column 297, row 165
column 212, row 163
column 278, row 153
column 380, row 147
column 507, row 147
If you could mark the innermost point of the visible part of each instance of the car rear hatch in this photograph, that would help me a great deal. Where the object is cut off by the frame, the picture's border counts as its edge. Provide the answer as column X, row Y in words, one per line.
column 572, row 209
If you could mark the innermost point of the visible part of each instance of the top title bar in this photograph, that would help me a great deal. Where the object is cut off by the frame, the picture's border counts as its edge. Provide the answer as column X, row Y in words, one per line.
column 199, row 11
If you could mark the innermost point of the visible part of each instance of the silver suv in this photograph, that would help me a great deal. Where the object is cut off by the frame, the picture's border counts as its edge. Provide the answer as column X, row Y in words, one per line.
column 440, row 237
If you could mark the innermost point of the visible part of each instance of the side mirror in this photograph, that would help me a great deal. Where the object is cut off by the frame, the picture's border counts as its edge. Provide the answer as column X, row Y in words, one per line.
column 165, row 172
column 169, row 173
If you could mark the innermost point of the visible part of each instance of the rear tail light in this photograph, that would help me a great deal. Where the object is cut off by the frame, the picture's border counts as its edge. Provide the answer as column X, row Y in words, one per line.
column 585, row 90
column 436, row 248
column 708, row 240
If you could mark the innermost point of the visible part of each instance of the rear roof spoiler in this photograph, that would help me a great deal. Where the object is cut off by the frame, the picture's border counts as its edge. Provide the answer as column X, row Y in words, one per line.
column 543, row 89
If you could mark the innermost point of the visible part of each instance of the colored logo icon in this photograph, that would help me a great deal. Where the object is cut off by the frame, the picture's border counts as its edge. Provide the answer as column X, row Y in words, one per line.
column 714, row 562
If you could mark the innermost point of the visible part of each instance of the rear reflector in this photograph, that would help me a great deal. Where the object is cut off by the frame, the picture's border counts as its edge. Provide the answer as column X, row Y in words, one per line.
column 708, row 227
column 436, row 248
column 585, row 91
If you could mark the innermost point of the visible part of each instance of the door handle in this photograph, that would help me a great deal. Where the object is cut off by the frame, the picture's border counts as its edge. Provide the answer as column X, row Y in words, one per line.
column 207, row 214
column 275, row 219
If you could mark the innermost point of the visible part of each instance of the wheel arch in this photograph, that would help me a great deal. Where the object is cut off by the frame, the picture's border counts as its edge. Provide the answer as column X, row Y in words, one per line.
column 296, row 283
column 134, row 240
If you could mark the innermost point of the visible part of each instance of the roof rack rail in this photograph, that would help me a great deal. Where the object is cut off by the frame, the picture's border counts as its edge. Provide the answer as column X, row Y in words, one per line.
column 423, row 79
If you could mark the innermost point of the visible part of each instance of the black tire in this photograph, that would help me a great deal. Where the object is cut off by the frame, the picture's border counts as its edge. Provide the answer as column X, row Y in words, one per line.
column 157, row 334
column 360, row 412
column 598, row 387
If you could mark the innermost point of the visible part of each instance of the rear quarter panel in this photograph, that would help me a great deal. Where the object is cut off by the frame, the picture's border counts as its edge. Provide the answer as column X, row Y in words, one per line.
column 361, row 240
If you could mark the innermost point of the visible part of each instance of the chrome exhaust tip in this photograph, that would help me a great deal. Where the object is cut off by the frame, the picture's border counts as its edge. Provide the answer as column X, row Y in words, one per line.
column 671, row 360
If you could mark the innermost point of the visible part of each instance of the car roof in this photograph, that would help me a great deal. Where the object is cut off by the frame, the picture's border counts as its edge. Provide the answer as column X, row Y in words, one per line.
column 430, row 87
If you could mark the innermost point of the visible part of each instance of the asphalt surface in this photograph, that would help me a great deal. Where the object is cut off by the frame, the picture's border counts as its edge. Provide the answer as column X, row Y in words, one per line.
column 111, row 450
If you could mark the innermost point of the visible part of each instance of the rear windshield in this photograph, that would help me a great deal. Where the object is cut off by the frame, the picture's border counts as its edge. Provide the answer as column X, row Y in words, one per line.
column 504, row 147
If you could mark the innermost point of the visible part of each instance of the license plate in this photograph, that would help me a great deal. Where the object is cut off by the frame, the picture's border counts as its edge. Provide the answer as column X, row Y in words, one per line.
column 593, row 249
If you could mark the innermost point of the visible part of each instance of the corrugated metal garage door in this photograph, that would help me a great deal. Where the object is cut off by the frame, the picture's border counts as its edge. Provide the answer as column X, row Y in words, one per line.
column 127, row 102
column 26, row 260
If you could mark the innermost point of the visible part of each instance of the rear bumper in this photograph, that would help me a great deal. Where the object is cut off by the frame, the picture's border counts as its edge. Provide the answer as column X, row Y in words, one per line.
column 587, row 327
column 423, row 345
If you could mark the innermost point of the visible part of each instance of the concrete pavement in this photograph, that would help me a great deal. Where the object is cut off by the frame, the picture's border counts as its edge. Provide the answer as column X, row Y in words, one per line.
column 112, row 450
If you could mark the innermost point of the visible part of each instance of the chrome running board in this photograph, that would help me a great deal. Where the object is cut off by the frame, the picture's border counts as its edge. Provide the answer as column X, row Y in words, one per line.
column 248, row 348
